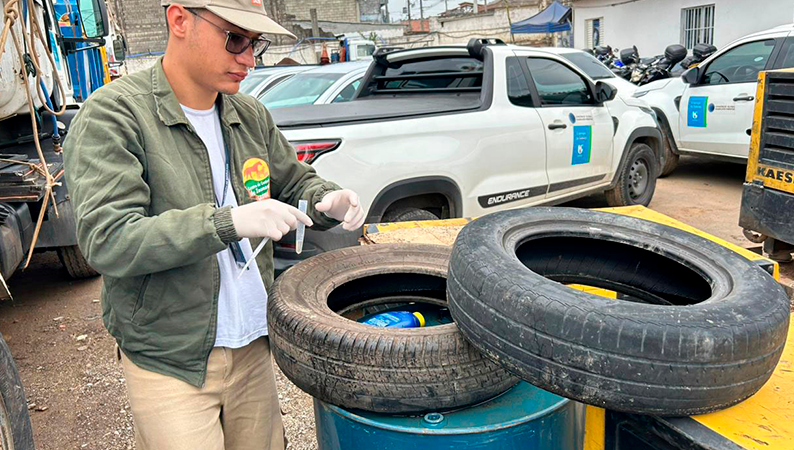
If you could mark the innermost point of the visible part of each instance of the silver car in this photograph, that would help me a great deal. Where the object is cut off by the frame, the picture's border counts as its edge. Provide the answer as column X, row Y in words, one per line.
column 332, row 83
column 261, row 80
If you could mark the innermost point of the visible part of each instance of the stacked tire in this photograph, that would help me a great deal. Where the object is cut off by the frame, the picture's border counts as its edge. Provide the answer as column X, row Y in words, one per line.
column 694, row 326
column 351, row 364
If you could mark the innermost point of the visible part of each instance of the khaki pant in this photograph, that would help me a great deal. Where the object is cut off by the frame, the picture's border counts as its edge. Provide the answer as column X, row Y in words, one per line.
column 237, row 409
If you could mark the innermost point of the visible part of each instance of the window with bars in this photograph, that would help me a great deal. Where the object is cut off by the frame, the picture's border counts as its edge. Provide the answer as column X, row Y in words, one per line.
column 697, row 26
column 595, row 32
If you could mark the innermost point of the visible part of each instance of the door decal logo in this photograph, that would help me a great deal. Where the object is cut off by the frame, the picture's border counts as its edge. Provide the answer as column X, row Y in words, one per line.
column 696, row 112
column 582, row 140
column 572, row 118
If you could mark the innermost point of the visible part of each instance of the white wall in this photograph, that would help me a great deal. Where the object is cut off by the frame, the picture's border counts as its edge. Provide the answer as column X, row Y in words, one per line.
column 132, row 65
column 652, row 25
column 493, row 24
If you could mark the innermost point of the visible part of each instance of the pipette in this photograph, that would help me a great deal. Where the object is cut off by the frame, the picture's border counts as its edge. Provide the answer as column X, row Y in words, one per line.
column 302, row 206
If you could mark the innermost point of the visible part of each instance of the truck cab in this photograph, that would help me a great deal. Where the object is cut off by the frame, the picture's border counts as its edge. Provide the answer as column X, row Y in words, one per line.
column 709, row 109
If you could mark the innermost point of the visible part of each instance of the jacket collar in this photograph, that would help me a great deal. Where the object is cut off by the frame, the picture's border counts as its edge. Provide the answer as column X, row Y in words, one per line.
column 168, row 108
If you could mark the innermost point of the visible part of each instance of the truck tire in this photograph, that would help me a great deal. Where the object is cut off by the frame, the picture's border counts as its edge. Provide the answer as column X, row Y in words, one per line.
column 408, row 215
column 669, row 157
column 637, row 178
column 15, row 430
column 386, row 370
column 696, row 327
column 75, row 263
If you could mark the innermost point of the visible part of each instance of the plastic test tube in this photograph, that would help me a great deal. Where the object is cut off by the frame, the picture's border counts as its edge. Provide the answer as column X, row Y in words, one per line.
column 302, row 206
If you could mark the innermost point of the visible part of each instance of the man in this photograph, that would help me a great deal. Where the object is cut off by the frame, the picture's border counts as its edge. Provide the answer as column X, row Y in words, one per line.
column 171, row 174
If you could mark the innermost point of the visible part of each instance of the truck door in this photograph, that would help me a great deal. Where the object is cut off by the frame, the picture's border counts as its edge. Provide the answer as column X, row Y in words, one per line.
column 717, row 111
column 578, row 129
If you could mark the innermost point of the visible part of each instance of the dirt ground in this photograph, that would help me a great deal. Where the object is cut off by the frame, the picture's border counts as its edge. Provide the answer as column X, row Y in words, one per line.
column 76, row 389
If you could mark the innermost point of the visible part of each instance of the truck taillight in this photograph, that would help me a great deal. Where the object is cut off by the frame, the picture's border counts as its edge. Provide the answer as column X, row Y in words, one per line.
column 308, row 151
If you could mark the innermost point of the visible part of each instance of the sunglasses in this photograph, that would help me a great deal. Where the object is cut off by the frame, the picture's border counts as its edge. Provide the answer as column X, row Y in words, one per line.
column 237, row 43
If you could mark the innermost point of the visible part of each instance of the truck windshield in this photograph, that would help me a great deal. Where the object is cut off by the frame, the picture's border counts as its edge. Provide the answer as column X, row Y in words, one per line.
column 589, row 65
column 302, row 89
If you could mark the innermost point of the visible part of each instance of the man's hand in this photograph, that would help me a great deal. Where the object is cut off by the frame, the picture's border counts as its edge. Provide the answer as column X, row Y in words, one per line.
column 343, row 206
column 267, row 219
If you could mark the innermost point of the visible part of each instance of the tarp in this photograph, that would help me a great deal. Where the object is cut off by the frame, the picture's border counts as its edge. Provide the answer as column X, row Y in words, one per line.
column 552, row 19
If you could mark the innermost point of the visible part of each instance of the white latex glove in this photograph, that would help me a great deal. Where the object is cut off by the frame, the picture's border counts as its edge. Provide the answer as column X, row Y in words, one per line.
column 343, row 206
column 267, row 219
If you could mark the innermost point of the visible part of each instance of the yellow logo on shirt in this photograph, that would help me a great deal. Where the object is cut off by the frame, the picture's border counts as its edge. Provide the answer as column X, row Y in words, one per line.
column 256, row 178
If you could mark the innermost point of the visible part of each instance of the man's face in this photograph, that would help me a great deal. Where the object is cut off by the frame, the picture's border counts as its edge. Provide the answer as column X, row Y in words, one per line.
column 212, row 66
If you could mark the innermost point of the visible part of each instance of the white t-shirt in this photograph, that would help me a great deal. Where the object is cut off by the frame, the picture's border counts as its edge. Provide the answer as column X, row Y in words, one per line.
column 242, row 303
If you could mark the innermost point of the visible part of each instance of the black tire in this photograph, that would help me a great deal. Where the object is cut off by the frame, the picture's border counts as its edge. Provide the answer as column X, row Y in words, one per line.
column 408, row 215
column 712, row 339
column 14, row 419
column 75, row 263
column 669, row 157
column 637, row 178
column 386, row 370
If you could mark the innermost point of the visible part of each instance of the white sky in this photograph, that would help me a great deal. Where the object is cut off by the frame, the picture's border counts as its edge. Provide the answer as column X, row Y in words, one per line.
column 431, row 8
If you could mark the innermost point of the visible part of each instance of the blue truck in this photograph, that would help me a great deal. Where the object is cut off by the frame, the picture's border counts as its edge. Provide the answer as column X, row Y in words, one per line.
column 53, row 55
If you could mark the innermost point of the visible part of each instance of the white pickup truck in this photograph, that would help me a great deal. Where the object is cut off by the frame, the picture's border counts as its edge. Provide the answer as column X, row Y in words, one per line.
column 462, row 131
column 709, row 109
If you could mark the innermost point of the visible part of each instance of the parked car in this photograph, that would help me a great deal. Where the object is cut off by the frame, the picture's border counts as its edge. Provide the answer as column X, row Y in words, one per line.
column 709, row 109
column 446, row 132
column 331, row 83
column 262, row 79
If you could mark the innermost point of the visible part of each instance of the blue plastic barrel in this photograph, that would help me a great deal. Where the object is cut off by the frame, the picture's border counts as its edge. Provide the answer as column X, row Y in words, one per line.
column 525, row 417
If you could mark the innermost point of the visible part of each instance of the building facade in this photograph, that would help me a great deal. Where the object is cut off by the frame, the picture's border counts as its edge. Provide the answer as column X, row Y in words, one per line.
column 458, row 26
column 652, row 25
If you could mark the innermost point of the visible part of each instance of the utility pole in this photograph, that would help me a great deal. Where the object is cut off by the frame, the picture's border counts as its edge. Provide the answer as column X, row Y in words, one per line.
column 510, row 23
column 410, row 27
column 315, row 30
column 315, row 24
column 422, row 13
column 446, row 6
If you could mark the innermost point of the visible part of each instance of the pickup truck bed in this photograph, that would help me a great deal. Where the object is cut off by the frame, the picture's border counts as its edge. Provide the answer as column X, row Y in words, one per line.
column 373, row 109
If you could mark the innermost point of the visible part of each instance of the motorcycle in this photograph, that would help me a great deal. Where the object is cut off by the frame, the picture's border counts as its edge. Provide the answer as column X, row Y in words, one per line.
column 699, row 53
column 658, row 67
column 628, row 61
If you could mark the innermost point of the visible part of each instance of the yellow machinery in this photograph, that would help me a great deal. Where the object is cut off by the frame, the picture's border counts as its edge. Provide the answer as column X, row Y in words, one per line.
column 768, row 195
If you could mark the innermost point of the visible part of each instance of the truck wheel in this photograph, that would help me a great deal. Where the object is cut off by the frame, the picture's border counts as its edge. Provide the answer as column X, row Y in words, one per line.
column 320, row 346
column 669, row 158
column 15, row 430
column 695, row 327
column 408, row 215
column 637, row 179
column 73, row 260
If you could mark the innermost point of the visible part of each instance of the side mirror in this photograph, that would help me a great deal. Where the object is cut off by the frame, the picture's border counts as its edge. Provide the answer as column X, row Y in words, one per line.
column 691, row 76
column 605, row 92
column 94, row 18
column 120, row 48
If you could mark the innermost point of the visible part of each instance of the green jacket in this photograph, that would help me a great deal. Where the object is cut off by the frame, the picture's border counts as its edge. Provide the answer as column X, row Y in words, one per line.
column 141, row 187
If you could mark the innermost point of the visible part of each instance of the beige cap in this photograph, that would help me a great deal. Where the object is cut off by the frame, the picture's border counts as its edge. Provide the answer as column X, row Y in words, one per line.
column 247, row 14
